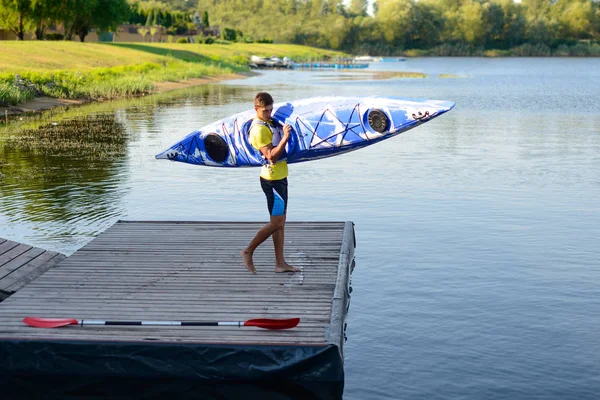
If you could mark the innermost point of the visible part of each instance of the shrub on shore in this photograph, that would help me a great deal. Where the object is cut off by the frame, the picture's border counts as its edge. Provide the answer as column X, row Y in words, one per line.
column 10, row 94
column 580, row 49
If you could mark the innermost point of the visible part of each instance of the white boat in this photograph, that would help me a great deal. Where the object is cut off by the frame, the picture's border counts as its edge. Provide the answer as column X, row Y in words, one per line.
column 270, row 62
column 363, row 59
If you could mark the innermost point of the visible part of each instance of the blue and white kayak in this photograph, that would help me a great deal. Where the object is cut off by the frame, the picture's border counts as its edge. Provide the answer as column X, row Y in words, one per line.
column 321, row 127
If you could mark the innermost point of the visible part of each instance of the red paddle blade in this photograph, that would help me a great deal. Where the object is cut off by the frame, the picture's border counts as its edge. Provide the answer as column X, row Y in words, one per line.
column 267, row 323
column 49, row 322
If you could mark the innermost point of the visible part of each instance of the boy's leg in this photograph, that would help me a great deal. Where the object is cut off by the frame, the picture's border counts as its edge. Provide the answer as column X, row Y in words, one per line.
column 275, row 205
column 276, row 193
column 275, row 224
column 278, row 242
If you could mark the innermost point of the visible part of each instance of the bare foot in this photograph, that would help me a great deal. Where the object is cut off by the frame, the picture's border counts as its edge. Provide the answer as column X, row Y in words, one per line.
column 247, row 257
column 287, row 268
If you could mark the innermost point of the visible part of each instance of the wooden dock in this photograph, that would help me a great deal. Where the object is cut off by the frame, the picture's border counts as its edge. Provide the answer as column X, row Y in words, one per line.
column 187, row 271
column 21, row 264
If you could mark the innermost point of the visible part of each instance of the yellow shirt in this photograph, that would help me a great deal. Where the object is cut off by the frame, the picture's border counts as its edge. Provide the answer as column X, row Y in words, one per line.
column 261, row 136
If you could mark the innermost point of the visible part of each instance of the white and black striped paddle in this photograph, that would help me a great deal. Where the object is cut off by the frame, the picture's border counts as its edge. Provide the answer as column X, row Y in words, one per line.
column 265, row 323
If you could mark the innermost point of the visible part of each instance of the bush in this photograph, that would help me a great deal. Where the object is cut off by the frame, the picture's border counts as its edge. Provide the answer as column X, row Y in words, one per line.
column 562, row 51
column 54, row 36
column 177, row 30
column 240, row 60
column 532, row 50
column 582, row 50
column 496, row 53
column 229, row 34
column 182, row 40
column 209, row 40
column 264, row 40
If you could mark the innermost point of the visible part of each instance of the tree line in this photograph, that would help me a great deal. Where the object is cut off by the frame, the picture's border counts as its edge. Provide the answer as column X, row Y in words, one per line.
column 393, row 26
column 389, row 28
column 79, row 17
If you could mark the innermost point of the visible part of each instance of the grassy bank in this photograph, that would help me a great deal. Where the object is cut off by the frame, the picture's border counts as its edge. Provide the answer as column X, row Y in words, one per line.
column 96, row 71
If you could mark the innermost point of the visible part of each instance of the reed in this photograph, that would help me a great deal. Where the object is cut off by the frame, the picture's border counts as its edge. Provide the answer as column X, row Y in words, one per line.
column 12, row 95
column 98, row 136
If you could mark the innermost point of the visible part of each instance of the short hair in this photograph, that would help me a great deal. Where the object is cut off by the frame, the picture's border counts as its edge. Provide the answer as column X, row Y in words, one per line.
column 263, row 99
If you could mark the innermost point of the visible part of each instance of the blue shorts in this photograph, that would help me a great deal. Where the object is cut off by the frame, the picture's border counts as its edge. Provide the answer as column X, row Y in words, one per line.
column 277, row 195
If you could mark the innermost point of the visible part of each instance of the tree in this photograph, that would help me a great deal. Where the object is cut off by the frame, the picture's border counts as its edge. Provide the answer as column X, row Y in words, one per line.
column 574, row 18
column 472, row 24
column 493, row 23
column 105, row 15
column 291, row 7
column 428, row 24
column 153, row 31
column 17, row 14
column 44, row 13
column 513, row 31
column 205, row 21
column 395, row 17
column 358, row 7
column 143, row 32
column 150, row 17
column 595, row 28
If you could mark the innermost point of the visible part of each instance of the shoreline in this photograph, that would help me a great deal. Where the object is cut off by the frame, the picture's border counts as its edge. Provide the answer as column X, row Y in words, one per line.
column 45, row 103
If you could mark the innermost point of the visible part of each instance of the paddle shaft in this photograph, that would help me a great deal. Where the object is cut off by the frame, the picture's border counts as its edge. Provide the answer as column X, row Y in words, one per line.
column 158, row 323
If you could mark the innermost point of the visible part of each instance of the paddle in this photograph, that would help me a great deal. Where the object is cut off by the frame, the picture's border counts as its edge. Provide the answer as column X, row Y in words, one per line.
column 264, row 323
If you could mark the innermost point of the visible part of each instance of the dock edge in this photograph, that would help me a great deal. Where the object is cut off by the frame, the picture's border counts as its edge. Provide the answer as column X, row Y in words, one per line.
column 341, row 295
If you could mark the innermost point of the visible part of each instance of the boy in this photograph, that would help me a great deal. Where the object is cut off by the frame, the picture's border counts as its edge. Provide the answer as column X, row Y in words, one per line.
column 266, row 136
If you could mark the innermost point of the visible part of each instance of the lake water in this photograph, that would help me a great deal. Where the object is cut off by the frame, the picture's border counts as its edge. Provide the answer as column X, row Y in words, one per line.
column 478, row 233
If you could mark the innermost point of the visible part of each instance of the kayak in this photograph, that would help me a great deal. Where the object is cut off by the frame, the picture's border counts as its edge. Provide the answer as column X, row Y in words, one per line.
column 321, row 127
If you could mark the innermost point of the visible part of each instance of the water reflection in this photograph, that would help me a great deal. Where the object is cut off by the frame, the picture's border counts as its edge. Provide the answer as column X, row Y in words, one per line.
column 142, row 107
column 65, row 173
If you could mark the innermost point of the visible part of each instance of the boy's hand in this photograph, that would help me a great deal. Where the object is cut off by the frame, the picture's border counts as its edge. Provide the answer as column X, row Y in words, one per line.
column 287, row 129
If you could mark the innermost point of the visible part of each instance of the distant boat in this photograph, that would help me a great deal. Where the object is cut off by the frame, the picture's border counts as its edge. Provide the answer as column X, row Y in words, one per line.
column 270, row 62
column 330, row 65
column 363, row 59
column 393, row 59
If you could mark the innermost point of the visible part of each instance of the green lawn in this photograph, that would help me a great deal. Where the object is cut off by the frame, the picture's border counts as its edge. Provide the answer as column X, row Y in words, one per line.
column 111, row 70
column 45, row 56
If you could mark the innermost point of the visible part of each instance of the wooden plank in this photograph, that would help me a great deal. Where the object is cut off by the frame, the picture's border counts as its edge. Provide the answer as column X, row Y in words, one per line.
column 20, row 263
column 17, row 262
column 32, row 270
column 7, row 246
column 13, row 253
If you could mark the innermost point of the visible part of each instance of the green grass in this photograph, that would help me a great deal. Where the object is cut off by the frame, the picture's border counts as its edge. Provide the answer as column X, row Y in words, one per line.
column 98, row 71
column 44, row 56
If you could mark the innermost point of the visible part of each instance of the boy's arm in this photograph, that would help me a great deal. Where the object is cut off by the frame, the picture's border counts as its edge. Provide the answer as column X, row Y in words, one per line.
column 272, row 153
